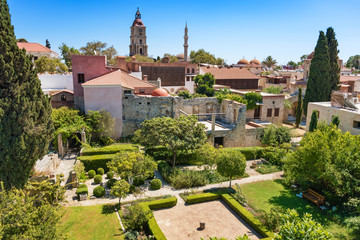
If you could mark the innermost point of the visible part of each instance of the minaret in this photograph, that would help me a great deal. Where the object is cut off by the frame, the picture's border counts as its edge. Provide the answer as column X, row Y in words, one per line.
column 186, row 44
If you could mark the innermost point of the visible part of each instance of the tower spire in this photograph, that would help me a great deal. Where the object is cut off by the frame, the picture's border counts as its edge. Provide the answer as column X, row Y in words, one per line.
column 186, row 43
column 137, row 14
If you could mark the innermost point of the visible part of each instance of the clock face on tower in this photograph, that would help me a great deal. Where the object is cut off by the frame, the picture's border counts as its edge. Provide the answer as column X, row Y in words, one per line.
column 140, row 30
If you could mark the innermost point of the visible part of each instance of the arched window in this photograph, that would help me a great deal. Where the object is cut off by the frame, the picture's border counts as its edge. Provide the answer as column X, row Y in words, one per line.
column 140, row 41
column 133, row 41
column 193, row 70
column 63, row 97
column 188, row 70
column 141, row 51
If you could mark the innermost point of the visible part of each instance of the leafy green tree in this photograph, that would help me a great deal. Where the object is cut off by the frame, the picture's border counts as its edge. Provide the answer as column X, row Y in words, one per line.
column 25, row 123
column 204, row 84
column 132, row 164
column 22, row 216
column 47, row 44
column 335, row 120
column 100, row 48
column 136, row 219
column 273, row 90
column 333, row 54
column 110, row 54
column 23, row 40
column 201, row 56
column 102, row 125
column 292, row 64
column 172, row 58
column 292, row 226
column 318, row 87
column 313, row 121
column 185, row 95
column 66, row 53
column 274, row 135
column 50, row 65
column 120, row 189
column 327, row 161
column 175, row 134
column 299, row 109
column 252, row 98
column 231, row 164
column 208, row 155
column 353, row 62
column 302, row 58
column 269, row 61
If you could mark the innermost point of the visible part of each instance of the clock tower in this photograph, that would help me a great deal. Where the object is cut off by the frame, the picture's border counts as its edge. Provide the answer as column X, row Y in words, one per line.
column 138, row 37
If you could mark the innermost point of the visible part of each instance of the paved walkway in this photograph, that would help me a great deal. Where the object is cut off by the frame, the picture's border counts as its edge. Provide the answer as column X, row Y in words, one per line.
column 66, row 165
column 165, row 190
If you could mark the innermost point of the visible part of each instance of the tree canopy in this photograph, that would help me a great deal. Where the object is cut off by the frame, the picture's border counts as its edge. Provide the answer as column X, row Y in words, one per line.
column 201, row 56
column 100, row 48
column 231, row 164
column 274, row 135
column 140, row 58
column 334, row 158
column 25, row 122
column 204, row 84
column 102, row 125
column 175, row 134
column 172, row 57
column 318, row 87
column 50, row 65
column 334, row 64
column 269, row 61
column 273, row 89
column 47, row 44
column 353, row 62
column 66, row 53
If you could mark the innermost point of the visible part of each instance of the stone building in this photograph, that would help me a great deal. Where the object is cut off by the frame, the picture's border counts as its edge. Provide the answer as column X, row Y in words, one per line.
column 37, row 50
column 138, row 37
column 344, row 105
column 62, row 98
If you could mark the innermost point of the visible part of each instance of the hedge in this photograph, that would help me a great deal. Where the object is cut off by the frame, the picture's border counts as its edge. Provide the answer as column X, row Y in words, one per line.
column 203, row 197
column 234, row 205
column 250, row 153
column 96, row 161
column 112, row 149
column 152, row 225
column 82, row 189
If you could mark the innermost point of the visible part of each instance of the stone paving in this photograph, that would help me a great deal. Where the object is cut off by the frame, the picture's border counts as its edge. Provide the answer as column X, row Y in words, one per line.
column 66, row 165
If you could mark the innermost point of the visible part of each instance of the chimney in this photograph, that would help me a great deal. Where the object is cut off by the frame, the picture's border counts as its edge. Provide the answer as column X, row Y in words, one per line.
column 145, row 78
column 121, row 62
column 165, row 60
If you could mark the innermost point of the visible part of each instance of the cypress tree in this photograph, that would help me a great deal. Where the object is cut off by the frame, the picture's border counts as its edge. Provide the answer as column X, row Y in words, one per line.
column 299, row 109
column 318, row 87
column 334, row 64
column 313, row 121
column 47, row 44
column 25, row 112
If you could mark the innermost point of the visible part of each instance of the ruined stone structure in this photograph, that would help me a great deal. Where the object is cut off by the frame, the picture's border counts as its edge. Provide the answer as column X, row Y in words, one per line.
column 138, row 37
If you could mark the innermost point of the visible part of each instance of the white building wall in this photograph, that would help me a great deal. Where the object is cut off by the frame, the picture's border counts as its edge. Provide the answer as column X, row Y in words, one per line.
column 53, row 82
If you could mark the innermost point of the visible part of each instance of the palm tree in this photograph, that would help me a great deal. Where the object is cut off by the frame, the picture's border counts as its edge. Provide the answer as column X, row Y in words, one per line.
column 269, row 61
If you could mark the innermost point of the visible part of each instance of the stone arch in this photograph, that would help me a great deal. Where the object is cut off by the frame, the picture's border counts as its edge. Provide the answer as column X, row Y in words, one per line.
column 181, row 89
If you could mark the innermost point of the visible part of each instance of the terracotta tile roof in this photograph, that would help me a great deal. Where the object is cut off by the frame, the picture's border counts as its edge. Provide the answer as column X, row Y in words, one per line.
column 33, row 47
column 230, row 73
column 118, row 78
column 344, row 78
column 52, row 93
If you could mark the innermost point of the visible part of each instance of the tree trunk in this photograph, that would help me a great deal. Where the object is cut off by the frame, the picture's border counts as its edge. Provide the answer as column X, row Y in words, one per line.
column 230, row 183
column 174, row 158
column 119, row 203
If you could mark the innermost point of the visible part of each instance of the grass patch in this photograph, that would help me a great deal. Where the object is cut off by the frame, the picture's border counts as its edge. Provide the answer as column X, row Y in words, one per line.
column 92, row 222
column 146, row 199
column 267, row 168
column 268, row 194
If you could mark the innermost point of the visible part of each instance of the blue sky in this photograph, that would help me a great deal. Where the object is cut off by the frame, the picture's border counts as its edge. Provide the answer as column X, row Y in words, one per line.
column 229, row 29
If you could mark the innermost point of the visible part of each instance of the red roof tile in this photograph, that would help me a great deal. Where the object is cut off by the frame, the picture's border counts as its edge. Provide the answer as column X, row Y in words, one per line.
column 118, row 78
column 345, row 78
column 33, row 47
column 230, row 73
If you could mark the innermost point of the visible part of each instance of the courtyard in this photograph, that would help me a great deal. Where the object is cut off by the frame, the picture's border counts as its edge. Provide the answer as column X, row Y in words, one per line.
column 183, row 221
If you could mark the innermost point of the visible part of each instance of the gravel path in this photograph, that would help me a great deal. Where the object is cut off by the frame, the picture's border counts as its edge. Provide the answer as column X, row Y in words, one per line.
column 165, row 190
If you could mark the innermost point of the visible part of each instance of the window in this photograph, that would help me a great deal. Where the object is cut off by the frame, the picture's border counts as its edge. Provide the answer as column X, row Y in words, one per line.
column 140, row 41
column 81, row 78
column 132, row 41
column 63, row 97
column 188, row 70
column 141, row 90
column 126, row 92
column 140, row 50
column 277, row 111
column 35, row 58
column 187, row 79
column 269, row 112
column 357, row 124
column 193, row 70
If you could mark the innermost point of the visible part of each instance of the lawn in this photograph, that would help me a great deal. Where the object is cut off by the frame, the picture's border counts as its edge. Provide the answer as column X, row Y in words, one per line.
column 92, row 222
column 268, row 194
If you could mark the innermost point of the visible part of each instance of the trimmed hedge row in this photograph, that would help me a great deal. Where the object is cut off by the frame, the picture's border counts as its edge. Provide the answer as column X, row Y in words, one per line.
column 250, row 153
column 96, row 161
column 203, row 197
column 112, row 149
column 152, row 225
column 234, row 205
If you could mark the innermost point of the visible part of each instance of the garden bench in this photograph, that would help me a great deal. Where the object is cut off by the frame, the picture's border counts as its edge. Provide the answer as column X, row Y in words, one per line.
column 314, row 197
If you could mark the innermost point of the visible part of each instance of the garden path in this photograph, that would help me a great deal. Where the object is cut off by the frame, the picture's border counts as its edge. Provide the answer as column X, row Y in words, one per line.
column 165, row 190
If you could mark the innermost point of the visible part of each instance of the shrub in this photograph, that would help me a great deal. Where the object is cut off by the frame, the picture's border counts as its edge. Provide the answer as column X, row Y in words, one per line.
column 110, row 175
column 204, row 197
column 82, row 189
column 100, row 171
column 112, row 149
column 250, row 153
column 91, row 174
column 97, row 179
column 155, row 184
column 238, row 195
column 99, row 191
column 131, row 235
column 111, row 183
column 187, row 179
column 136, row 218
column 274, row 135
column 267, row 168
column 132, row 189
column 353, row 223
column 138, row 181
column 96, row 161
